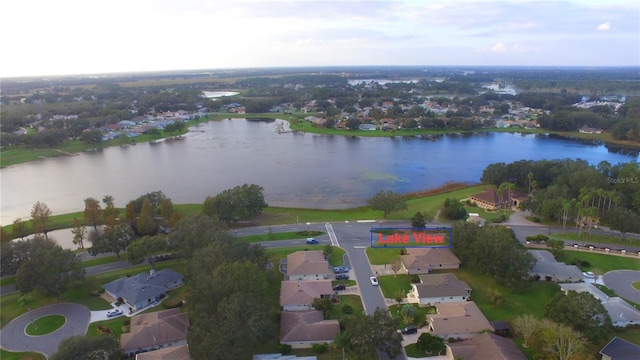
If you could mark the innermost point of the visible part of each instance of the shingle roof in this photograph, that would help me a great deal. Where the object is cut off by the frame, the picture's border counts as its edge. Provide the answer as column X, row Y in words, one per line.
column 296, row 326
column 454, row 318
column 172, row 353
column 155, row 328
column 303, row 292
column 620, row 349
column 307, row 263
column 486, row 346
column 440, row 285
column 143, row 286
column 422, row 258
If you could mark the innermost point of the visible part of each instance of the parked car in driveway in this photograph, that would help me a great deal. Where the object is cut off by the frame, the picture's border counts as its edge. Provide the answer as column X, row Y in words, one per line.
column 374, row 280
column 312, row 241
column 340, row 269
column 114, row 313
column 339, row 287
column 589, row 274
column 410, row 330
column 342, row 276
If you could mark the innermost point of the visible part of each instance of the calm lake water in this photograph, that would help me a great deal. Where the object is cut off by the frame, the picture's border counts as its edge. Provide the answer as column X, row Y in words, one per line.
column 295, row 169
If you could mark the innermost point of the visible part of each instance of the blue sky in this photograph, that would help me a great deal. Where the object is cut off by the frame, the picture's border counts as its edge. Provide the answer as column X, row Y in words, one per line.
column 44, row 37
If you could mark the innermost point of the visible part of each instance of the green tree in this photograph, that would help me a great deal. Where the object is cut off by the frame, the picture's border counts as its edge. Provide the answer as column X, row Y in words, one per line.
column 373, row 332
column 50, row 271
column 622, row 220
column 581, row 311
column 240, row 203
column 430, row 344
column 418, row 221
column 19, row 228
column 114, row 239
column 79, row 233
column 92, row 211
column 166, row 209
column 145, row 224
column 408, row 313
column 40, row 214
column 526, row 326
column 323, row 304
column 387, row 202
column 87, row 347
column 91, row 136
column 453, row 210
column 145, row 248
column 130, row 212
column 110, row 212
column 563, row 342
column 195, row 232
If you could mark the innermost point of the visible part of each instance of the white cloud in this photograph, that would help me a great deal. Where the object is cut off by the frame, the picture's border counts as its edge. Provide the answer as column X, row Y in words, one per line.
column 604, row 27
column 499, row 47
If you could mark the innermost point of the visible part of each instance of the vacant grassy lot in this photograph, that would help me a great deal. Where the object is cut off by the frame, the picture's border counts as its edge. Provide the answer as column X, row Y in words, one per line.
column 275, row 236
column 420, row 319
column 381, row 256
column 353, row 300
column 601, row 263
column 5, row 355
column 393, row 285
column 595, row 237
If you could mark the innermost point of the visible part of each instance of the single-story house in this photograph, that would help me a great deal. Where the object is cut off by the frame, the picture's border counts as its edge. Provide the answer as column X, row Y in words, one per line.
column 620, row 349
column 439, row 288
column 490, row 199
column 423, row 260
column 369, row 127
column 155, row 330
column 282, row 357
column 171, row 353
column 458, row 320
column 302, row 329
column 143, row 290
column 549, row 269
column 485, row 346
column 621, row 313
column 307, row 265
column 297, row 295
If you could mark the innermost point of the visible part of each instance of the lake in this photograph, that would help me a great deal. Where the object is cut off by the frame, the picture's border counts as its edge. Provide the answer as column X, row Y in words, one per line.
column 295, row 169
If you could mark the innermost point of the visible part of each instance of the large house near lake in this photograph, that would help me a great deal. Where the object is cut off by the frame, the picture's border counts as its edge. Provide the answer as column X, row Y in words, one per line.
column 144, row 290
column 491, row 200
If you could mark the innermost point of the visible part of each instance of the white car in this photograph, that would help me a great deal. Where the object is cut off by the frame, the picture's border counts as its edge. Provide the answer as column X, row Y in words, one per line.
column 374, row 281
column 589, row 274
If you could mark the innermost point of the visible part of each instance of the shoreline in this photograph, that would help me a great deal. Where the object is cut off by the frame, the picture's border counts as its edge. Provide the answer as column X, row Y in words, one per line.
column 297, row 125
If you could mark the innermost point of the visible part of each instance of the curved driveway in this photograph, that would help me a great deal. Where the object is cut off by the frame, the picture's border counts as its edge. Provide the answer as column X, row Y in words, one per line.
column 620, row 281
column 14, row 338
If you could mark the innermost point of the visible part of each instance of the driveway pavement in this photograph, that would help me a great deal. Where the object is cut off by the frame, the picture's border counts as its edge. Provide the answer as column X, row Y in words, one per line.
column 14, row 338
column 620, row 281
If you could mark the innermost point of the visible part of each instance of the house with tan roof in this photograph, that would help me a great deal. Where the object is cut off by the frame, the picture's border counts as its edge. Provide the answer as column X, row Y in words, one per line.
column 297, row 295
column 424, row 260
column 172, row 353
column 439, row 288
column 307, row 265
column 302, row 329
column 155, row 330
column 458, row 320
column 485, row 346
column 490, row 199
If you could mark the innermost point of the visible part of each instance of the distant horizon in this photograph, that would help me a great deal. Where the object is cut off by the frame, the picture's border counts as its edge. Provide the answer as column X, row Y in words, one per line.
column 311, row 67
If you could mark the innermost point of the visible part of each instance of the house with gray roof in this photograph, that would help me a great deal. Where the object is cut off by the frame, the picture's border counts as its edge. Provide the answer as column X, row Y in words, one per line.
column 621, row 313
column 620, row 349
column 143, row 290
column 439, row 288
column 548, row 268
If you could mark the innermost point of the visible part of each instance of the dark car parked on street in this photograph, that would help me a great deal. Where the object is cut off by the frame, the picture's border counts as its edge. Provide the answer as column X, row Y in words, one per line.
column 410, row 330
column 339, row 287
column 342, row 276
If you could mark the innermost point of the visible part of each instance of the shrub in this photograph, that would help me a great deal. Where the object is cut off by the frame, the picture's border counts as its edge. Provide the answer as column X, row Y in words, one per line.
column 585, row 263
column 451, row 340
column 398, row 296
column 320, row 348
column 284, row 349
column 415, row 279
column 403, row 252
column 347, row 309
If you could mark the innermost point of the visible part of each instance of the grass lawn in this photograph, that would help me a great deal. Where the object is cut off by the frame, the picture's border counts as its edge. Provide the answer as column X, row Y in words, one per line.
column 381, row 256
column 346, row 282
column 413, row 351
column 595, row 237
column 636, row 285
column 45, row 325
column 393, row 285
column 420, row 319
column 118, row 326
column 353, row 300
column 601, row 263
column 6, row 355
